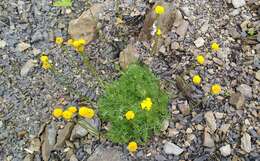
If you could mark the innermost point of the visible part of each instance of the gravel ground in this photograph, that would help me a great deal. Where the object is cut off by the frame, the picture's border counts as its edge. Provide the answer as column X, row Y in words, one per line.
column 225, row 127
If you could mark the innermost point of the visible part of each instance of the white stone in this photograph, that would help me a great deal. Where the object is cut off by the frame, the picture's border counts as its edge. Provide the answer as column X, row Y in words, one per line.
column 257, row 75
column 246, row 142
column 245, row 90
column 27, row 67
column 199, row 42
column 2, row 44
column 23, row 46
column 225, row 150
column 208, row 141
column 210, row 120
column 238, row 3
column 170, row 148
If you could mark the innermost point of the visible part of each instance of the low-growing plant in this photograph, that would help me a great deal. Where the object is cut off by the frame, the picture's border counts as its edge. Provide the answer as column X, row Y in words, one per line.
column 134, row 106
column 62, row 3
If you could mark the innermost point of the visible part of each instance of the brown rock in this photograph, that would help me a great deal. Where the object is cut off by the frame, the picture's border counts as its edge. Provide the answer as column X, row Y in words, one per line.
column 210, row 120
column 184, row 108
column 182, row 29
column 208, row 141
column 63, row 135
column 237, row 100
column 128, row 56
column 86, row 25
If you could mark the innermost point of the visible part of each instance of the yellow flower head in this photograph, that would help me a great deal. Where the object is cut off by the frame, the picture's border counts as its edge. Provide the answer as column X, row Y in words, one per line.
column 215, row 89
column 86, row 112
column 44, row 58
column 132, row 146
column 59, row 40
column 215, row 46
column 200, row 59
column 57, row 112
column 76, row 44
column 70, row 42
column 72, row 109
column 196, row 79
column 147, row 104
column 67, row 115
column 159, row 10
column 46, row 65
column 82, row 41
column 80, row 49
column 130, row 115
column 158, row 32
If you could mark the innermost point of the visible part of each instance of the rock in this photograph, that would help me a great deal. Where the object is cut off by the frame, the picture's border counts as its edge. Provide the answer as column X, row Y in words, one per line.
column 184, row 108
column 245, row 90
column 28, row 157
column 35, row 145
column 204, row 28
column 170, row 148
column 246, row 142
column 178, row 19
column 78, row 132
column 210, row 120
column 49, row 139
column 175, row 45
column 63, row 135
column 218, row 61
column 224, row 128
column 159, row 158
column 86, row 26
column 107, row 154
column 238, row 3
column 36, row 51
column 172, row 132
column 182, row 29
column 257, row 75
column 2, row 44
column 208, row 141
column 27, row 67
column 165, row 125
column 91, row 125
column 23, row 46
column 186, row 11
column 73, row 158
column 199, row 42
column 225, row 150
column 237, row 100
column 128, row 56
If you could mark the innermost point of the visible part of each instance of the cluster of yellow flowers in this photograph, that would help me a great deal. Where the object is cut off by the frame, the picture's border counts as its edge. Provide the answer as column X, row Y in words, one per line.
column 59, row 40
column 145, row 104
column 71, row 111
column 215, row 88
column 45, row 61
column 159, row 10
column 79, row 44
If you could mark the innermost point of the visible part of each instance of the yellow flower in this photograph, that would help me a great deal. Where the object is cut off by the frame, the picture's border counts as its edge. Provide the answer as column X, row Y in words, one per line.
column 67, row 115
column 215, row 89
column 82, row 42
column 158, row 32
column 76, row 44
column 159, row 10
column 46, row 65
column 70, row 42
column 80, row 49
column 200, row 59
column 132, row 146
column 72, row 109
column 57, row 112
column 147, row 104
column 130, row 115
column 59, row 40
column 44, row 58
column 215, row 46
column 196, row 79
column 86, row 112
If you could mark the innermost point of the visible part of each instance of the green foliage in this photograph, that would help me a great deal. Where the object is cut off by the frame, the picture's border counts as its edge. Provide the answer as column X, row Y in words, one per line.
column 135, row 84
column 251, row 32
column 62, row 3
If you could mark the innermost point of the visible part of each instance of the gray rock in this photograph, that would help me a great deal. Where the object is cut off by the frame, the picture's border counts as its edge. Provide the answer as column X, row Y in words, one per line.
column 78, row 132
column 225, row 150
column 246, row 142
column 27, row 67
column 2, row 44
column 237, row 100
column 204, row 28
column 63, row 135
column 199, row 42
column 23, row 46
column 238, row 3
column 182, row 29
column 170, row 148
column 107, row 154
column 184, row 108
column 257, row 75
column 208, row 141
column 210, row 120
column 186, row 11
column 37, row 36
column 160, row 158
column 73, row 158
column 245, row 90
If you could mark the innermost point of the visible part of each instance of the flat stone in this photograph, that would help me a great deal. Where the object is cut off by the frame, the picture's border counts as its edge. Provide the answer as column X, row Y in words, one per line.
column 199, row 42
column 64, row 134
column 224, row 128
column 172, row 132
column 238, row 3
column 184, row 108
column 245, row 90
column 182, row 29
column 208, row 141
column 27, row 67
column 257, row 75
column 78, row 132
column 23, row 46
column 246, row 142
column 107, row 154
column 225, row 150
column 237, row 100
column 210, row 120
column 170, row 148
